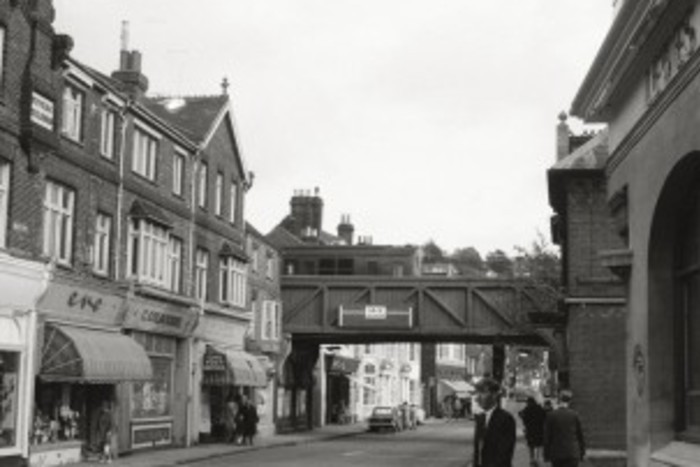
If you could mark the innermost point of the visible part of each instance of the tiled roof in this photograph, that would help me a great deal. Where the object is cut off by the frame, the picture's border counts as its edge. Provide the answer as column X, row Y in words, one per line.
column 195, row 116
column 281, row 238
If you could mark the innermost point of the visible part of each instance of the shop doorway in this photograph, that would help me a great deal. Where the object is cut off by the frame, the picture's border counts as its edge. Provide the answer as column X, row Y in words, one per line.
column 337, row 399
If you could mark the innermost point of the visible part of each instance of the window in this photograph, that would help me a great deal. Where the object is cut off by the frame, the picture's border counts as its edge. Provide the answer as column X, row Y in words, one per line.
column 2, row 55
column 254, row 258
column 270, row 320
column 109, row 122
column 178, row 172
column 202, row 193
column 411, row 351
column 73, row 100
column 232, row 281
column 270, row 267
column 4, row 200
column 58, row 222
column 219, row 195
column 174, row 263
column 145, row 153
column 147, row 252
column 201, row 270
column 101, row 246
column 233, row 203
column 9, row 390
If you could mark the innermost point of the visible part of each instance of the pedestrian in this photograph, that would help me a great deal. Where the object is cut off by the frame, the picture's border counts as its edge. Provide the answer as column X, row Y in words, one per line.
column 249, row 425
column 231, row 410
column 456, row 407
column 533, row 416
column 494, row 437
column 105, row 426
column 564, row 445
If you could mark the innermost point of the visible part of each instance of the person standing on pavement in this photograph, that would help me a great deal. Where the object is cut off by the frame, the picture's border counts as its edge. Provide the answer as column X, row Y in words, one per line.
column 533, row 416
column 249, row 420
column 564, row 444
column 494, row 436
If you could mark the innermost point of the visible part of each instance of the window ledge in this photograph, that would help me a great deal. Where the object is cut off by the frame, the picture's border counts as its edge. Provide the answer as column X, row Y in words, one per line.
column 156, row 292
column 678, row 453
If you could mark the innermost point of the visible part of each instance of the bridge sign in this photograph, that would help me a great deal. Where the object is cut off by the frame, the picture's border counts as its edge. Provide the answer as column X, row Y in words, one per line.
column 375, row 317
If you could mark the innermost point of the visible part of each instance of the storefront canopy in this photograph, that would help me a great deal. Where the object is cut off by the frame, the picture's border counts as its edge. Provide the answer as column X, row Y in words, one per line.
column 74, row 354
column 223, row 367
column 457, row 387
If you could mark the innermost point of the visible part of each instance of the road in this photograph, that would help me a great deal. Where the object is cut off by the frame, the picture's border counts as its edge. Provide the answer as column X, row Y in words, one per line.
column 434, row 445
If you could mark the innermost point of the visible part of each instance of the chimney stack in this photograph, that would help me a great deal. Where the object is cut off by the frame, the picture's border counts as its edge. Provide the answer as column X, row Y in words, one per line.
column 563, row 132
column 307, row 211
column 345, row 229
column 129, row 75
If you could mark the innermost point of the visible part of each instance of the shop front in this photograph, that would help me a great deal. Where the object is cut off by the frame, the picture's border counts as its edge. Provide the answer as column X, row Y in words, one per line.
column 340, row 398
column 155, row 410
column 84, row 360
column 225, row 373
column 23, row 283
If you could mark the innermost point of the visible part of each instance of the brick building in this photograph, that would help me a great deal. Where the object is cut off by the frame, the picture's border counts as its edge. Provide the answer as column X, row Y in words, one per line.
column 123, row 242
column 644, row 85
column 594, row 299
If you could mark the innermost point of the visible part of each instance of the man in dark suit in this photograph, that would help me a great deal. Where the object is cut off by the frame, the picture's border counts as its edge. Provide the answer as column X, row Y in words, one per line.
column 494, row 438
column 563, row 437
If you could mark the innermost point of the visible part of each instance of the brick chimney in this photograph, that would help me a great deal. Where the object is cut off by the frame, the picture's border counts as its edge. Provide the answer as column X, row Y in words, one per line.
column 345, row 229
column 563, row 132
column 129, row 75
column 307, row 212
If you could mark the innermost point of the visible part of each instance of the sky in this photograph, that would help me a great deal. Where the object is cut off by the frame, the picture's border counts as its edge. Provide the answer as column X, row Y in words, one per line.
column 421, row 119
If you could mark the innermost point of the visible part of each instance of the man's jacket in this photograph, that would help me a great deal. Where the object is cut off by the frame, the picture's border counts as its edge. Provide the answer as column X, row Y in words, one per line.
column 494, row 444
column 563, row 437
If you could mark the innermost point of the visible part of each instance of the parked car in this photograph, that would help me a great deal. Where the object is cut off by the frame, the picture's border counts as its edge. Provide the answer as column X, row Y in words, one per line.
column 384, row 417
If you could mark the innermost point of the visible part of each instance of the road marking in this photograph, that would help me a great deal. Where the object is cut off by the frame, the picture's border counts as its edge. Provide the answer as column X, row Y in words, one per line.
column 353, row 453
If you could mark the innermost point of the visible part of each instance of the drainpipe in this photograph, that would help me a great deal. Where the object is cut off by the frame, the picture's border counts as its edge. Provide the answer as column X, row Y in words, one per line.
column 120, row 187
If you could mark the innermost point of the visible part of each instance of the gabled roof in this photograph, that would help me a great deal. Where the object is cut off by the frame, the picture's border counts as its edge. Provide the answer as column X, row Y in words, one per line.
column 280, row 237
column 199, row 117
column 195, row 116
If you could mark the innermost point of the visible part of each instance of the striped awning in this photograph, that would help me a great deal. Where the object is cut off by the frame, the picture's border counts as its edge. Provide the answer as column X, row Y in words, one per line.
column 223, row 367
column 84, row 355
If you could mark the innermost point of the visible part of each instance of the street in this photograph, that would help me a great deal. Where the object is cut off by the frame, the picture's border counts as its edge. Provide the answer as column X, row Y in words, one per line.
column 439, row 444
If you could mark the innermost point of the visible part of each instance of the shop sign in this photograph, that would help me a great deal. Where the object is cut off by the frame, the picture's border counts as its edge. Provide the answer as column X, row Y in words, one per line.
column 214, row 361
column 42, row 111
column 66, row 301
column 344, row 365
column 146, row 436
column 375, row 317
column 160, row 318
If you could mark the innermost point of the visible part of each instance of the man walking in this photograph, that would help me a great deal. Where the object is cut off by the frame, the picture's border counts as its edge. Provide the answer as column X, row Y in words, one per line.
column 494, row 437
column 563, row 437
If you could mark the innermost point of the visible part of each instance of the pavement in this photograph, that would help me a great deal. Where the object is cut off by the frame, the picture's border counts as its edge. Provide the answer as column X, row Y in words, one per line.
column 169, row 457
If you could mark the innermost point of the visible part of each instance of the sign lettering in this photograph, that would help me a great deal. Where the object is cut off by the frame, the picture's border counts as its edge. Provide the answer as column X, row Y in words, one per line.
column 375, row 312
column 85, row 301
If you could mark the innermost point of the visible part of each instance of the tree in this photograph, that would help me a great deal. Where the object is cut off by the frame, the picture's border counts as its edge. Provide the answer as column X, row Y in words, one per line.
column 432, row 252
column 498, row 262
column 469, row 262
column 540, row 262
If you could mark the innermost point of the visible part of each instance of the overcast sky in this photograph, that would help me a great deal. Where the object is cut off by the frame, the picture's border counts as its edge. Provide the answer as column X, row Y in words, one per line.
column 422, row 119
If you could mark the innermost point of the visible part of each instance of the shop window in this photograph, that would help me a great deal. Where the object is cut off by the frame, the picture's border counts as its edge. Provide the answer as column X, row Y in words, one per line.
column 107, row 140
column 101, row 246
column 4, row 201
column 201, row 271
column 154, row 398
column 9, row 398
column 58, row 222
column 232, row 281
column 143, row 160
column 73, row 102
column 178, row 172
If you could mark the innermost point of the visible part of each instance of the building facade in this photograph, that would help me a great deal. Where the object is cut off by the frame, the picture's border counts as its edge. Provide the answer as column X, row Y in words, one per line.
column 644, row 84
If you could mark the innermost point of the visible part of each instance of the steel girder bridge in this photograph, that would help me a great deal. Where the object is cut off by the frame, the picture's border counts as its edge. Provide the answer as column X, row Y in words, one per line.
column 365, row 309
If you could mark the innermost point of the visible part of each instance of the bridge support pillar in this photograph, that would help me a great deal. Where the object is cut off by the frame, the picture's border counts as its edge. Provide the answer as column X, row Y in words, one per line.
column 498, row 362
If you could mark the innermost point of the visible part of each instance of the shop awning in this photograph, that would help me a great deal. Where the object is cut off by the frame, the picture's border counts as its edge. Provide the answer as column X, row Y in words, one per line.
column 223, row 367
column 343, row 365
column 74, row 354
column 457, row 387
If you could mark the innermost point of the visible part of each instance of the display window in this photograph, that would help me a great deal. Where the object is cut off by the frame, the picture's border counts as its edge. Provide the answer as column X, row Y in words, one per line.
column 154, row 398
column 9, row 398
